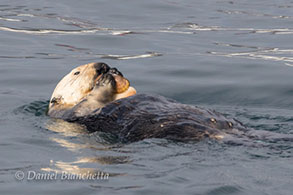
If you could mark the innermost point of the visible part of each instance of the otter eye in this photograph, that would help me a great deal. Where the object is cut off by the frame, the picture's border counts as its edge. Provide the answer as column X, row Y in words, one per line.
column 76, row 73
column 55, row 100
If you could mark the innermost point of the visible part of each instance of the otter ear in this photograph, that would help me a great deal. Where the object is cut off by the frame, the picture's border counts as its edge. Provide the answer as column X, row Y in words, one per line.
column 101, row 67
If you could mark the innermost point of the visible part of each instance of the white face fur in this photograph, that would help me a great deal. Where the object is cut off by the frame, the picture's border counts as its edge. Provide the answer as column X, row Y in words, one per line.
column 75, row 86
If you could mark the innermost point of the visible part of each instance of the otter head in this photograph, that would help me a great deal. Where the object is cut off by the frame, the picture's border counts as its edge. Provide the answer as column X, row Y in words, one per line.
column 89, row 86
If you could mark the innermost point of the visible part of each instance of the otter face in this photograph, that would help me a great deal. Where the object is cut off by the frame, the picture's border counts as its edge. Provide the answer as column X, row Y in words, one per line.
column 94, row 83
column 77, row 84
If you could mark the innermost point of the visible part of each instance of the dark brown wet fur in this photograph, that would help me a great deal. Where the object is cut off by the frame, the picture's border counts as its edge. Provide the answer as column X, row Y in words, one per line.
column 150, row 116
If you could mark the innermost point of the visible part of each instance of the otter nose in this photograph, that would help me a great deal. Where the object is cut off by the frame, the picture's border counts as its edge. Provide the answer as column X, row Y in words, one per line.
column 101, row 67
column 115, row 71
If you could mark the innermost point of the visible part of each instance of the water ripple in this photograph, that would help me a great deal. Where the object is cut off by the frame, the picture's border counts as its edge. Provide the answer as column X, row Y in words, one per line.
column 244, row 30
column 49, row 31
column 260, row 55
column 127, row 57
column 254, row 14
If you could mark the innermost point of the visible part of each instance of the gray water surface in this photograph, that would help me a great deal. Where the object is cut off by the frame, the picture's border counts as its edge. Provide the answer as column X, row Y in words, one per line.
column 232, row 56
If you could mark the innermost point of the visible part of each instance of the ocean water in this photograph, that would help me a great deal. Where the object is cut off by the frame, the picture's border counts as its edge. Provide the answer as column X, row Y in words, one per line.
column 232, row 56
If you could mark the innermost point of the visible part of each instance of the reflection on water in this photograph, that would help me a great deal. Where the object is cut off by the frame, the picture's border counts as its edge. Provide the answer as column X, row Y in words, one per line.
column 65, row 128
column 76, row 167
column 74, row 132
column 75, row 138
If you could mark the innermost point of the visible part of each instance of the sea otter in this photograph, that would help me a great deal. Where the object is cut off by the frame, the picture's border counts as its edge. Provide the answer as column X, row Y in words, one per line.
column 101, row 98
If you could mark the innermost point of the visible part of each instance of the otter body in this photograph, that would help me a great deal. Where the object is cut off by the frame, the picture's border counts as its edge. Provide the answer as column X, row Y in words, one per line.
column 100, row 98
column 151, row 116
